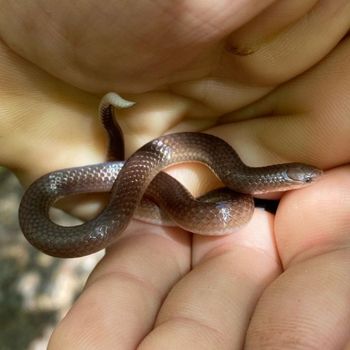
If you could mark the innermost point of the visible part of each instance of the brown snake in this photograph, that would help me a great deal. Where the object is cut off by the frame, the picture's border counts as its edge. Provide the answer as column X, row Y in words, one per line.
column 218, row 212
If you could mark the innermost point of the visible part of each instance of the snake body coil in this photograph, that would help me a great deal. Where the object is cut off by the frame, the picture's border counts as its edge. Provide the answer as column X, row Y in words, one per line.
column 140, row 174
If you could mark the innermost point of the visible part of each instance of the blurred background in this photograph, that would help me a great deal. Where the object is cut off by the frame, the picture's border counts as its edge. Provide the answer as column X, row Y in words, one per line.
column 35, row 290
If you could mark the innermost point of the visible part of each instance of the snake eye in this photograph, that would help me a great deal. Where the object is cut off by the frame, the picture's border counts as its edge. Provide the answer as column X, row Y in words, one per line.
column 308, row 179
column 295, row 173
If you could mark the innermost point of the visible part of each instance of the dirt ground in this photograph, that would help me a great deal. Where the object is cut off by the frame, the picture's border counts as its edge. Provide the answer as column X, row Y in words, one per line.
column 35, row 290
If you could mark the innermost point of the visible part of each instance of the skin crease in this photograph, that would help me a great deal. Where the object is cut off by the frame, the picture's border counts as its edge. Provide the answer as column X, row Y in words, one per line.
column 271, row 79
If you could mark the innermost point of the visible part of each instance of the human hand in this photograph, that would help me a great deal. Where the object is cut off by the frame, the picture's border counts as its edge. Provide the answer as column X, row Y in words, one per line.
column 282, row 280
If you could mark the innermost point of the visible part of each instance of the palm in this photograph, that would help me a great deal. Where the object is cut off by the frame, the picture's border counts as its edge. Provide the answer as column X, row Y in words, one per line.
column 191, row 68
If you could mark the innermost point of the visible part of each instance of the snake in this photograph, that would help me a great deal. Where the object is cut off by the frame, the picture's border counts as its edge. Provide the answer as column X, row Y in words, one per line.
column 138, row 187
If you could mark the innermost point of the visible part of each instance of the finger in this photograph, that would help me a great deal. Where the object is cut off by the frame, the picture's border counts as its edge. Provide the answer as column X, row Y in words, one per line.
column 265, row 49
column 268, row 24
column 122, row 297
column 283, row 41
column 305, row 120
column 211, row 306
column 300, row 230
column 309, row 303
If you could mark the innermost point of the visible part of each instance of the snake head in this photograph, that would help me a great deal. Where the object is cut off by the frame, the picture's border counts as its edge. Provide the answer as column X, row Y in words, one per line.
column 301, row 174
